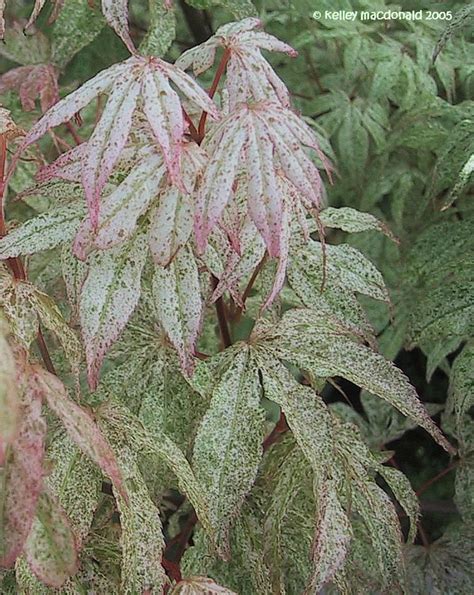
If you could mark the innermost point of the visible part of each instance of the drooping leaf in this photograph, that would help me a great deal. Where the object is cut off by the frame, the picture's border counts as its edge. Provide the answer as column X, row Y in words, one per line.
column 21, row 477
column 325, row 347
column 109, row 295
column 116, row 13
column 178, row 304
column 9, row 393
column 353, row 221
column 227, row 448
column 51, row 547
column 141, row 533
column 80, row 426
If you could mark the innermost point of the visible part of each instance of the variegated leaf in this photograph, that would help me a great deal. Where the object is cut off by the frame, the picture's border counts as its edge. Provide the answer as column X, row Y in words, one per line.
column 141, row 535
column 228, row 448
column 80, row 425
column 9, row 391
column 109, row 295
column 200, row 585
column 325, row 347
column 178, row 304
column 116, row 13
column 43, row 232
column 21, row 477
column 353, row 221
column 50, row 549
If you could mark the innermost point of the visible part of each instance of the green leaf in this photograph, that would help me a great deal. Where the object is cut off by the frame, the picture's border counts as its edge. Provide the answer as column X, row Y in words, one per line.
column 142, row 535
column 228, row 445
column 325, row 347
column 76, row 26
column 51, row 549
column 178, row 302
column 109, row 296
column 353, row 144
column 43, row 232
column 161, row 30
column 353, row 221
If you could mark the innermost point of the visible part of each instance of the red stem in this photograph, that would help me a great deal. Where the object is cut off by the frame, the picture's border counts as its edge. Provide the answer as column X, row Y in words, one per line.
column 212, row 91
column 434, row 479
column 15, row 264
column 280, row 428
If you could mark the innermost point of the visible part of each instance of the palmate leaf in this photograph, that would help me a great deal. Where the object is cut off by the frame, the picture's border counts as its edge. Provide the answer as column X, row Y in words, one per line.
column 311, row 424
column 79, row 424
column 228, row 445
column 127, row 82
column 114, row 418
column 109, row 295
column 257, row 138
column 141, row 533
column 21, row 477
column 249, row 76
column 324, row 346
column 50, row 549
column 178, row 304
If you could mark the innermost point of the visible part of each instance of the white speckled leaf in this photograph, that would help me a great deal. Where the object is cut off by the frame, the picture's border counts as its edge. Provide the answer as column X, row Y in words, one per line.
column 178, row 304
column 161, row 30
column 76, row 482
column 116, row 418
column 353, row 221
column 108, row 139
column 79, row 425
column 141, row 536
column 120, row 210
column 332, row 537
column 50, row 548
column 109, row 295
column 200, row 585
column 171, row 225
column 43, row 232
column 228, row 446
column 116, row 14
column 325, row 347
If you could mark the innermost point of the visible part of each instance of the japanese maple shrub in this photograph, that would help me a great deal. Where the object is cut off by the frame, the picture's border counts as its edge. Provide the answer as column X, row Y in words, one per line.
column 182, row 442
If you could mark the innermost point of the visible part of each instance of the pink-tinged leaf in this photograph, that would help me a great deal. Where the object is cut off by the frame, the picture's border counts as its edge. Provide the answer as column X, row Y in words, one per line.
column 65, row 109
column 239, row 266
column 265, row 41
column 265, row 200
column 178, row 304
column 163, row 110
column 189, row 88
column 121, row 209
column 109, row 296
column 67, row 166
column 282, row 261
column 171, row 224
column 9, row 393
column 116, row 14
column 79, row 425
column 22, row 478
column 31, row 82
column 35, row 13
column 51, row 549
column 83, row 243
column 217, row 183
column 108, row 140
